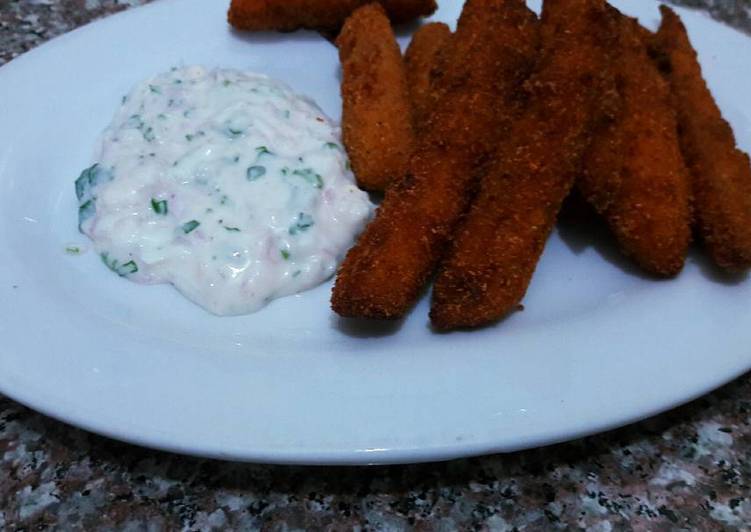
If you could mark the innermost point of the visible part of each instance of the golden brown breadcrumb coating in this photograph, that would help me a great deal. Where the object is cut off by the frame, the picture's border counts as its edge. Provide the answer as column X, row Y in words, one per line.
column 384, row 273
column 376, row 113
column 328, row 15
column 421, row 60
column 494, row 254
column 635, row 176
column 720, row 172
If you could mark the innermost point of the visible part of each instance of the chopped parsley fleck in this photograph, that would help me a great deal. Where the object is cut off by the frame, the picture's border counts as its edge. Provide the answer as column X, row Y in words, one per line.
column 155, row 89
column 333, row 146
column 285, row 254
column 233, row 133
column 72, row 250
column 302, row 223
column 189, row 226
column 232, row 229
column 160, row 207
column 122, row 270
column 226, row 83
column 86, row 190
column 255, row 172
column 310, row 176
column 161, row 116
column 148, row 134
column 89, row 178
column 262, row 150
column 189, row 137
column 86, row 211
column 129, row 267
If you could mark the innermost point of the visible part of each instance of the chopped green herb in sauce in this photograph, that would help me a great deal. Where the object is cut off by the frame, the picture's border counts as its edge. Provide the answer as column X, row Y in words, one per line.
column 190, row 226
column 86, row 211
column 310, row 176
column 86, row 184
column 123, row 269
column 303, row 223
column 262, row 150
column 160, row 207
column 285, row 254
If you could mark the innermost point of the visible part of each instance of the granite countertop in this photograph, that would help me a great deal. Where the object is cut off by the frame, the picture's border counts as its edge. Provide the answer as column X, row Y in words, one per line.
column 686, row 469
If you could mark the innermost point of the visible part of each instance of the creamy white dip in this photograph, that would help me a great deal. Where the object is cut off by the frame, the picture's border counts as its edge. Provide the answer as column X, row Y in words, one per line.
column 225, row 184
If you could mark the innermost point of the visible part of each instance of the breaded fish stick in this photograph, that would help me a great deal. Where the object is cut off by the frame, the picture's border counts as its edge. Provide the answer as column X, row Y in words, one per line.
column 376, row 113
column 493, row 255
column 290, row 15
column 721, row 173
column 635, row 176
column 383, row 274
column 420, row 60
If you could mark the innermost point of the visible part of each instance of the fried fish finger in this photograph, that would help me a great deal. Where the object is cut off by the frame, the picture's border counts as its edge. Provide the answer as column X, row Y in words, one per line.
column 376, row 113
column 290, row 15
column 421, row 60
column 494, row 254
column 720, row 172
column 635, row 175
column 383, row 274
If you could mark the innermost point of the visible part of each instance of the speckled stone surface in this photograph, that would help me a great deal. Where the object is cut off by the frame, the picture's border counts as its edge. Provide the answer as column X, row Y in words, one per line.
column 688, row 469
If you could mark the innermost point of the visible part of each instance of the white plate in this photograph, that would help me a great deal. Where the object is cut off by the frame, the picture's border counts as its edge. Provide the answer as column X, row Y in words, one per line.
column 598, row 345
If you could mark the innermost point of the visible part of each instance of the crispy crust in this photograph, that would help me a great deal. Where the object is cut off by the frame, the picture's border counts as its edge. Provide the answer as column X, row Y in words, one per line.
column 721, row 173
column 635, row 176
column 385, row 271
column 421, row 60
column 494, row 254
column 327, row 15
column 376, row 113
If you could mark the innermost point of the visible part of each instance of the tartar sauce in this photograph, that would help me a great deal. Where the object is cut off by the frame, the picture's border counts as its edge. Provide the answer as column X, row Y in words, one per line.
column 224, row 183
